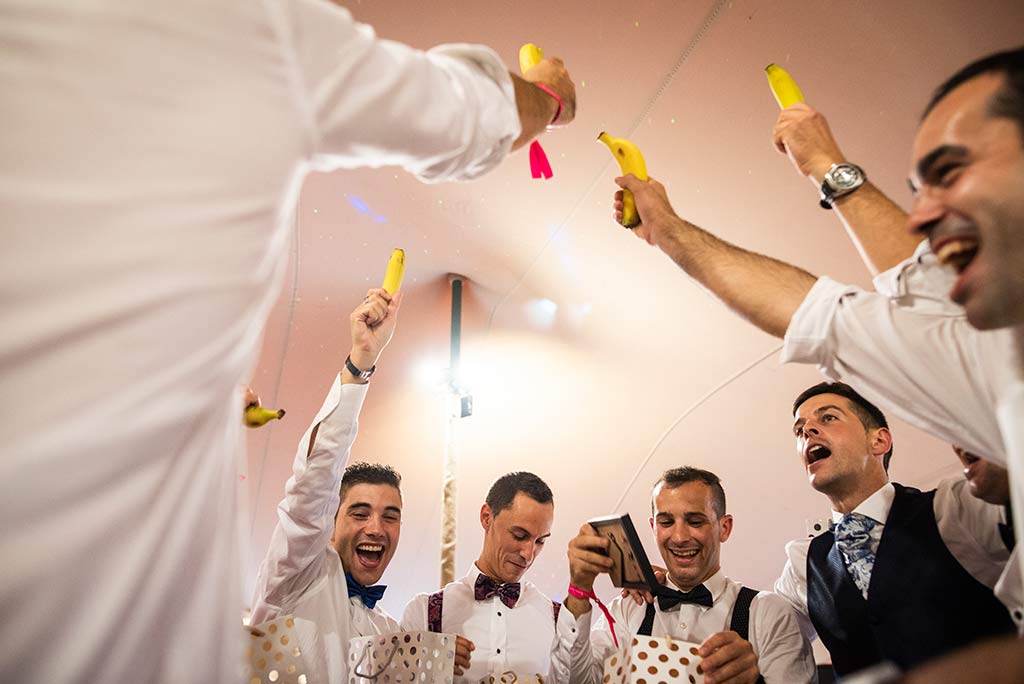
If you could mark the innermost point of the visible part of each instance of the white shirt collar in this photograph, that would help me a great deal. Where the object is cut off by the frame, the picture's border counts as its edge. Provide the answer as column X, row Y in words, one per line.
column 875, row 506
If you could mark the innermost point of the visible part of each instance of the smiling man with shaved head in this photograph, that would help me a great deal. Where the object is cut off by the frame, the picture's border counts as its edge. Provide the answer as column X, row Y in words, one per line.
column 503, row 621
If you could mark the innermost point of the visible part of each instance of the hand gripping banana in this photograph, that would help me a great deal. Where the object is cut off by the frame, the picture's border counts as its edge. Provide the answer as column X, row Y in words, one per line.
column 529, row 56
column 540, row 167
column 255, row 416
column 396, row 269
column 783, row 86
column 630, row 161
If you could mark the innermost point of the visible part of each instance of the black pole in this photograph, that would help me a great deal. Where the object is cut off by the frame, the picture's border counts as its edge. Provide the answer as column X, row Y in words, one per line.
column 456, row 343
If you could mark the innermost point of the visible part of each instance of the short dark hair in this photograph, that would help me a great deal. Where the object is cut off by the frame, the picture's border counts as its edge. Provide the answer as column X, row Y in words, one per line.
column 676, row 477
column 369, row 473
column 869, row 414
column 505, row 488
column 1008, row 101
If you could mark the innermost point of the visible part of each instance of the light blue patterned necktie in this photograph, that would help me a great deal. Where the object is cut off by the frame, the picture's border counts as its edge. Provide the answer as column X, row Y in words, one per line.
column 853, row 539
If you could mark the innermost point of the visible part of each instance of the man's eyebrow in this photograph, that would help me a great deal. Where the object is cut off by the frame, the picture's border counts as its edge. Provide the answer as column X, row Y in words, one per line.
column 393, row 509
column 800, row 421
column 924, row 167
column 523, row 530
column 358, row 504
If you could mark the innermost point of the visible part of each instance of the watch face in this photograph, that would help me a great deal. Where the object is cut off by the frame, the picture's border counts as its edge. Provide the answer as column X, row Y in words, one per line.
column 845, row 176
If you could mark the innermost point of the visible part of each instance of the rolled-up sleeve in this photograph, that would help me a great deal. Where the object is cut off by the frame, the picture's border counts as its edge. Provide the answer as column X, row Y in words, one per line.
column 931, row 369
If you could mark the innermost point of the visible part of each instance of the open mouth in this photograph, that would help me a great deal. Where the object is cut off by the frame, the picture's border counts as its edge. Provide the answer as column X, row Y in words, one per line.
column 684, row 554
column 957, row 253
column 817, row 453
column 370, row 555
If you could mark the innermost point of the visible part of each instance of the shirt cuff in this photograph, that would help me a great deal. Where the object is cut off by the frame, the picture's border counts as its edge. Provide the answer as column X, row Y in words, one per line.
column 574, row 631
column 810, row 327
column 497, row 119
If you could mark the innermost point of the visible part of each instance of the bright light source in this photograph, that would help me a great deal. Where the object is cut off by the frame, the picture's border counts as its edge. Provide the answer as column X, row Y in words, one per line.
column 431, row 373
column 541, row 313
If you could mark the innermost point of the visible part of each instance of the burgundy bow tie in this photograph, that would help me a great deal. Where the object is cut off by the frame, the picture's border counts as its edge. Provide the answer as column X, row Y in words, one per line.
column 486, row 588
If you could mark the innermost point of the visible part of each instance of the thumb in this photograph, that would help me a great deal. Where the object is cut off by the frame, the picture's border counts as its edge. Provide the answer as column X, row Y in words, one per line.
column 630, row 182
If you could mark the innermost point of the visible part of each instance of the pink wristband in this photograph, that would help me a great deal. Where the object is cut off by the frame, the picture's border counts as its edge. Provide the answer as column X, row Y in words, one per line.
column 553, row 94
column 580, row 594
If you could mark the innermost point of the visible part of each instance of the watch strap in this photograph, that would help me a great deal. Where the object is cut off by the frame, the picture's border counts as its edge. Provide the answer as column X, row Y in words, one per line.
column 361, row 374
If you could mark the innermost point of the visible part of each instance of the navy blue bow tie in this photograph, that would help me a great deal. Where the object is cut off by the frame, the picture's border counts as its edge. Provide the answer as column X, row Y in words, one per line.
column 368, row 595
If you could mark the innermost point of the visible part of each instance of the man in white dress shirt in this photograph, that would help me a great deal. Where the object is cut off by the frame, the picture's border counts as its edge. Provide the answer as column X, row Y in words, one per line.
column 745, row 636
column 505, row 623
column 869, row 585
column 338, row 527
column 150, row 158
column 906, row 347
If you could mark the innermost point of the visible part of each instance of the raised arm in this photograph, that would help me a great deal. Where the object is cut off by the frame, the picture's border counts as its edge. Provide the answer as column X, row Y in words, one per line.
column 450, row 113
column 875, row 224
column 765, row 291
column 306, row 514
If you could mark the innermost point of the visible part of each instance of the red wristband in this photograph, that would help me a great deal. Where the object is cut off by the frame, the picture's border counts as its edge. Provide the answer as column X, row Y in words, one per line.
column 553, row 94
column 579, row 593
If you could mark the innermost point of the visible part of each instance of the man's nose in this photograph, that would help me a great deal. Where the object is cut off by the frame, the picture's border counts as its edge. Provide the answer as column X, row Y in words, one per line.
column 925, row 213
column 528, row 550
column 681, row 532
column 374, row 526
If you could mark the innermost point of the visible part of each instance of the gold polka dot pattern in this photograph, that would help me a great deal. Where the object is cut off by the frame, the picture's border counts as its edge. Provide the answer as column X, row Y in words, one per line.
column 270, row 666
column 660, row 661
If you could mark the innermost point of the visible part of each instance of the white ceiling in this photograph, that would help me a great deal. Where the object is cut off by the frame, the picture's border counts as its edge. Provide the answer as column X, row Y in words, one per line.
column 583, row 397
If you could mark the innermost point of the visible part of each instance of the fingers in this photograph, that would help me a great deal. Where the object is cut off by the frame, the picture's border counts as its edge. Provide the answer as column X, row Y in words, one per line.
column 629, row 182
column 638, row 595
column 716, row 641
column 249, row 397
column 463, row 648
column 374, row 308
column 728, row 659
column 588, row 558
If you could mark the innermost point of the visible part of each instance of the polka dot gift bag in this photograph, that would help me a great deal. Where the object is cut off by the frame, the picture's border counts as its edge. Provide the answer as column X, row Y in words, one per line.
column 402, row 658
column 274, row 654
column 654, row 660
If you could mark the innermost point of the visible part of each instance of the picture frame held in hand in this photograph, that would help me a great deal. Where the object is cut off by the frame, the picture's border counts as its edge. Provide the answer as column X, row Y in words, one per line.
column 631, row 569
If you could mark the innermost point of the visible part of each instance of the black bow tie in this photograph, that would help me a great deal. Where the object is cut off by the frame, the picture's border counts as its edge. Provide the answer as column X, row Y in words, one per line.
column 669, row 598
column 486, row 587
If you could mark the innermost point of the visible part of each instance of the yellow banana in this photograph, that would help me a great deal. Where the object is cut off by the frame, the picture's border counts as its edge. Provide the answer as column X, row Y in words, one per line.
column 529, row 55
column 396, row 269
column 630, row 161
column 255, row 416
column 784, row 88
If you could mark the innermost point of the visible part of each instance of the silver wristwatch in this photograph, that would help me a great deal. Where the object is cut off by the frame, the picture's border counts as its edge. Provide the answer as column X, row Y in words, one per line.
column 840, row 180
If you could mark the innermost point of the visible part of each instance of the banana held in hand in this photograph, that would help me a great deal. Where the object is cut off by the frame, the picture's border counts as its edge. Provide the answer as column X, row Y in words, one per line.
column 396, row 269
column 630, row 161
column 255, row 416
column 529, row 55
column 784, row 88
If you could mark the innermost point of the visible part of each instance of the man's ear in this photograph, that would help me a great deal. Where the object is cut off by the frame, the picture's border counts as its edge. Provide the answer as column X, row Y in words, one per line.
column 881, row 442
column 485, row 517
column 726, row 528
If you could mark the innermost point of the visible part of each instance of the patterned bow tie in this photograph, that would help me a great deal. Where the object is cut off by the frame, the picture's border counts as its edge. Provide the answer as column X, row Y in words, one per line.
column 486, row 588
column 368, row 595
column 669, row 598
